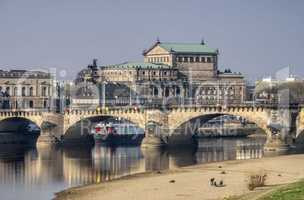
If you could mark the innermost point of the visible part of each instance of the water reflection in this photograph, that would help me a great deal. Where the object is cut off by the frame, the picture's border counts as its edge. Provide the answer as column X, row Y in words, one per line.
column 38, row 173
column 214, row 150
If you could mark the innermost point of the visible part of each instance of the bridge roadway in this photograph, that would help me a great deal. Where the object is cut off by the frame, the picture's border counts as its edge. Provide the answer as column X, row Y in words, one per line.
column 171, row 125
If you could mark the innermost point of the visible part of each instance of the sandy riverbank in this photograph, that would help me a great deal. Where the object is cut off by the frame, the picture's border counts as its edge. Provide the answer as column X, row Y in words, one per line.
column 192, row 183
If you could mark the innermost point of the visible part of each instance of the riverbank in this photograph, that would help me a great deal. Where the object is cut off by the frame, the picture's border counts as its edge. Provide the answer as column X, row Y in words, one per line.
column 193, row 182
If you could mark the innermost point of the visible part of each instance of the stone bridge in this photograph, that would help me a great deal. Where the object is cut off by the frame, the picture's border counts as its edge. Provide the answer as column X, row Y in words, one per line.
column 170, row 121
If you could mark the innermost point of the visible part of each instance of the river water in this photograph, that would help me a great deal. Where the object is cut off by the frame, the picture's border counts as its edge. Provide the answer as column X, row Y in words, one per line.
column 40, row 172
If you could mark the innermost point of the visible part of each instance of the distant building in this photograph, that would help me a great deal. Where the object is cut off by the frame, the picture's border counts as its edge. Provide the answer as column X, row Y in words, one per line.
column 195, row 61
column 22, row 89
column 174, row 71
column 286, row 91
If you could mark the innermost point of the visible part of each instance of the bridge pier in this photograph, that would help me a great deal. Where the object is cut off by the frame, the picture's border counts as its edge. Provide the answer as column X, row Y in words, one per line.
column 152, row 141
column 281, row 141
column 49, row 134
column 276, row 143
column 154, row 136
column 164, row 137
column 46, row 138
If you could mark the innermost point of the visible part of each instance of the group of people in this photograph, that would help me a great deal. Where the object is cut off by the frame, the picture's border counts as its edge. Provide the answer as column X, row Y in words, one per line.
column 216, row 184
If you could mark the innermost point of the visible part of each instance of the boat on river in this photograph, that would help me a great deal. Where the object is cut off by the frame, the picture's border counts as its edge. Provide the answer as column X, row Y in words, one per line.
column 111, row 135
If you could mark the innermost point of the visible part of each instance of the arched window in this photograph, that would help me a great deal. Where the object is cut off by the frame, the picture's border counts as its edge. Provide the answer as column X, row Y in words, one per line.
column 31, row 104
column 31, row 91
column 8, row 91
column 43, row 92
column 15, row 91
column 185, row 59
column 203, row 59
column 197, row 59
column 23, row 92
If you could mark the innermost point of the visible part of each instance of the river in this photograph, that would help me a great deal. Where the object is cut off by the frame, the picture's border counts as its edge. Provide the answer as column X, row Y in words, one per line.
column 38, row 173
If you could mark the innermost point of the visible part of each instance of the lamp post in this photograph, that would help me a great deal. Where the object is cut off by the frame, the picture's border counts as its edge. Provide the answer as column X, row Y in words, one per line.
column 102, row 97
column 104, row 94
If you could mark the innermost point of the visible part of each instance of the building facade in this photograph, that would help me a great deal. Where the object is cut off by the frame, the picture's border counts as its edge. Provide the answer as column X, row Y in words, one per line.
column 178, row 72
column 196, row 62
column 197, row 65
column 20, row 89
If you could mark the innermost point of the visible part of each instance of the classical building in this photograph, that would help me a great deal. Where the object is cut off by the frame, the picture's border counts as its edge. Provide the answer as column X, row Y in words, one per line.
column 174, row 71
column 20, row 89
column 197, row 65
column 195, row 61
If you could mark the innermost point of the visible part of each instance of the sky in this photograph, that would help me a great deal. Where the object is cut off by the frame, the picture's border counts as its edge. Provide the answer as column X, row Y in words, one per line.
column 258, row 38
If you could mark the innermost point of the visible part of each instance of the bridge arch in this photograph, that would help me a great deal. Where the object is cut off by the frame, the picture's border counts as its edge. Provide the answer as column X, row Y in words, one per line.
column 103, row 117
column 19, row 130
column 35, row 120
column 135, row 117
column 30, row 120
column 179, row 117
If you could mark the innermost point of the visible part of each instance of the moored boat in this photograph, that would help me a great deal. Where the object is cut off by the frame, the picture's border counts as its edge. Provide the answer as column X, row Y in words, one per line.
column 107, row 134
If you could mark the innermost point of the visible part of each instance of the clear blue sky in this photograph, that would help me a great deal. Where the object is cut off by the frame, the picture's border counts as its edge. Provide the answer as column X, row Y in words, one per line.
column 256, row 38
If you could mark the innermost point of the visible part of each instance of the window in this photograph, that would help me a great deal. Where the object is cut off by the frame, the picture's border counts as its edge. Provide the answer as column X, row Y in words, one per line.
column 31, row 104
column 180, row 59
column 177, row 90
column 208, row 59
column 23, row 92
column 191, row 59
column 167, row 91
column 44, row 104
column 203, row 59
column 155, row 92
column 165, row 73
column 185, row 59
column 43, row 93
column 197, row 59
column 15, row 91
column 7, row 90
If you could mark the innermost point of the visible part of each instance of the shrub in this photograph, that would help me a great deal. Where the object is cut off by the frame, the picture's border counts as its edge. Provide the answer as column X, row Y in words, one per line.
column 257, row 180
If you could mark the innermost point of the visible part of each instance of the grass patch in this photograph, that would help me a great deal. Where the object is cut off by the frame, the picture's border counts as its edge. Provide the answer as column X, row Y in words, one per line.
column 294, row 191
